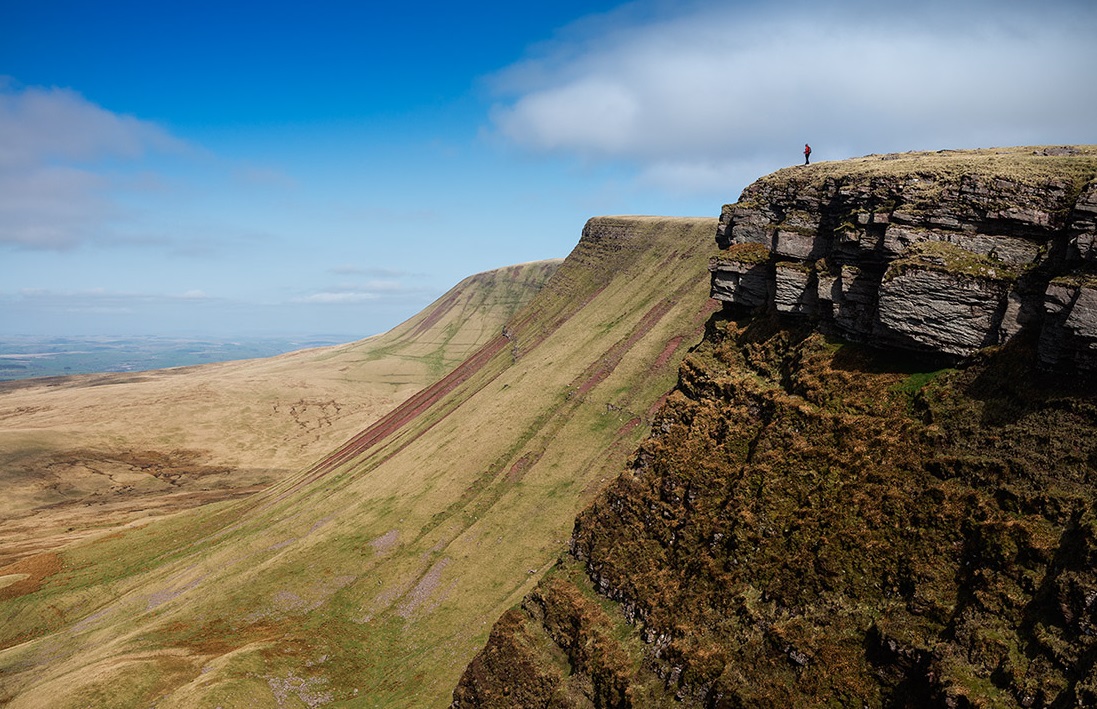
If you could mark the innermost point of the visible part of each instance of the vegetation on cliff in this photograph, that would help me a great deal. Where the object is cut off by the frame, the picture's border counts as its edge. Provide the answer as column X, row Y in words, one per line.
column 815, row 523
column 371, row 577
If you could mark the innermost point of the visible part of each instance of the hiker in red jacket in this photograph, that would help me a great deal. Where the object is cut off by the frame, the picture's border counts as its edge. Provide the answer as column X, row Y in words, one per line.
column 807, row 154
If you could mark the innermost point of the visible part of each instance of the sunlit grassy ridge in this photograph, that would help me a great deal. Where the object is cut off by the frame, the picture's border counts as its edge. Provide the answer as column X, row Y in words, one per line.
column 372, row 578
column 1025, row 165
column 78, row 454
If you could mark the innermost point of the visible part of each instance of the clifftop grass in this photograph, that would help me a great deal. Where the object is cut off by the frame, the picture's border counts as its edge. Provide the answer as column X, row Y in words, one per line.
column 1029, row 165
column 924, row 176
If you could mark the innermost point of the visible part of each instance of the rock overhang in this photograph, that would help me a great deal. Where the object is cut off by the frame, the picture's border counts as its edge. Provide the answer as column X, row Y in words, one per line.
column 946, row 252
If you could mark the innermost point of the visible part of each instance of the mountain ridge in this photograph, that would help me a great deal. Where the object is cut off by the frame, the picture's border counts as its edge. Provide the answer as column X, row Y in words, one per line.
column 143, row 443
column 816, row 521
column 373, row 578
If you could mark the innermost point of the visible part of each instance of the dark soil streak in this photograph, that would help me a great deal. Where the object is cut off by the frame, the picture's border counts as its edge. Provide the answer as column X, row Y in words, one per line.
column 402, row 414
column 38, row 568
column 435, row 315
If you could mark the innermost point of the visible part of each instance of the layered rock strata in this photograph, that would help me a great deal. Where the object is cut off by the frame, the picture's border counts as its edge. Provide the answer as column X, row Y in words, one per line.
column 947, row 252
column 816, row 522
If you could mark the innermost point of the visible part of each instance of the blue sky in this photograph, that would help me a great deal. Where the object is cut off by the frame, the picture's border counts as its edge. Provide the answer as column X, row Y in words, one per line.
column 280, row 168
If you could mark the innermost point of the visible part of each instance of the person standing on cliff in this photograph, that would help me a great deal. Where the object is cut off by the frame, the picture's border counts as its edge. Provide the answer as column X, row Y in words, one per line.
column 807, row 154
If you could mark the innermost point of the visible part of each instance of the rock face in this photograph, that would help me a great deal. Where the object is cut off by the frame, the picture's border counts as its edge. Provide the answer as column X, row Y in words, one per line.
column 946, row 252
column 816, row 522
column 814, row 525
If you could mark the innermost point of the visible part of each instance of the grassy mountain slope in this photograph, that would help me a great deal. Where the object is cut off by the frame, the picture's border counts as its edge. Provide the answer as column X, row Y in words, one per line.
column 372, row 577
column 79, row 454
column 820, row 523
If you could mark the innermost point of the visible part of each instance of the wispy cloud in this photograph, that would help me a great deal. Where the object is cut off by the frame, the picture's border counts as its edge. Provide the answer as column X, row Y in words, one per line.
column 693, row 96
column 339, row 297
column 100, row 297
column 53, row 194
column 51, row 207
column 389, row 286
column 372, row 291
column 56, row 124
column 264, row 177
column 369, row 271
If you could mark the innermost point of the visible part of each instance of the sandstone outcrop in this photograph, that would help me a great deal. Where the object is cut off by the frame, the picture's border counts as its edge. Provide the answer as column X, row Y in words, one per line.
column 946, row 252
column 813, row 524
column 819, row 522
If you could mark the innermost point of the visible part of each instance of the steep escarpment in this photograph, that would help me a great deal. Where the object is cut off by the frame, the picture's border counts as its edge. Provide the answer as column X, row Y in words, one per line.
column 830, row 512
column 84, row 453
column 371, row 577
column 813, row 522
column 946, row 252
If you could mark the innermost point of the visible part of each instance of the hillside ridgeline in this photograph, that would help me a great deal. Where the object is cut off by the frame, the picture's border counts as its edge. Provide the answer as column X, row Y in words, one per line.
column 82, row 454
column 821, row 522
column 372, row 576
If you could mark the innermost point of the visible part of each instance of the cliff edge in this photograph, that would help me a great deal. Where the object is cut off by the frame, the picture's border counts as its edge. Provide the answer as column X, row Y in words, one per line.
column 948, row 252
column 849, row 500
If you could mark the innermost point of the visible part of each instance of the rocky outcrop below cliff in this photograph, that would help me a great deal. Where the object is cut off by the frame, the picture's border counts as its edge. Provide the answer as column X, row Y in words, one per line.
column 836, row 521
column 947, row 252
column 819, row 524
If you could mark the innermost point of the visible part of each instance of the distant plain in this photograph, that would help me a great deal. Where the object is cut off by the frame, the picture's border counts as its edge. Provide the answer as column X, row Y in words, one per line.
column 84, row 453
column 31, row 356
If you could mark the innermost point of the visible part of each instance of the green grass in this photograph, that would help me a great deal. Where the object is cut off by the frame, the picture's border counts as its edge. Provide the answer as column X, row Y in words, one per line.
column 916, row 381
column 291, row 576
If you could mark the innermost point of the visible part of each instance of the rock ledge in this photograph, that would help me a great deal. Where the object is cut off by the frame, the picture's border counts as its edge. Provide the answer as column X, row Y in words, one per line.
column 947, row 252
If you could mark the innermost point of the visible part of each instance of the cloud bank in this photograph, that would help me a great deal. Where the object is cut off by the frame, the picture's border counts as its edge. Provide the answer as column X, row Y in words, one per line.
column 53, row 186
column 693, row 96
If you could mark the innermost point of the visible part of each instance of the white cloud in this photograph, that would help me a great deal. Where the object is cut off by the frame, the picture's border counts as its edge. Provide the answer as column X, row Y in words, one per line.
column 386, row 286
column 360, row 291
column 351, row 270
column 53, row 194
column 39, row 124
column 694, row 97
column 264, row 177
column 51, row 207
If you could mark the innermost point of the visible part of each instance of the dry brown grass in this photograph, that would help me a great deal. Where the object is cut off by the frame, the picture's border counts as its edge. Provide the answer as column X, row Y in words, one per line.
column 474, row 497
column 1027, row 164
column 80, row 454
